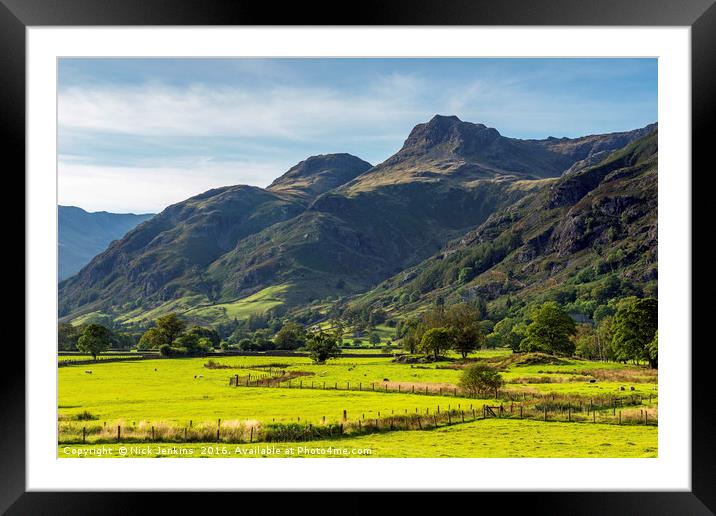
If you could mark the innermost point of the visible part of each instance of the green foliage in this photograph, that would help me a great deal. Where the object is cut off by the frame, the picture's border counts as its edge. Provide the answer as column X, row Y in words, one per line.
column 206, row 333
column 550, row 331
column 153, row 338
column 95, row 339
column 171, row 326
column 478, row 379
column 322, row 346
column 436, row 341
column 653, row 348
column 463, row 322
column 291, row 336
column 374, row 338
column 67, row 336
column 507, row 333
column 634, row 328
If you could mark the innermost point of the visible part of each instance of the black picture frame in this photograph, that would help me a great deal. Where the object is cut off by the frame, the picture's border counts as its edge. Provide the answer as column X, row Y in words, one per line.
column 700, row 15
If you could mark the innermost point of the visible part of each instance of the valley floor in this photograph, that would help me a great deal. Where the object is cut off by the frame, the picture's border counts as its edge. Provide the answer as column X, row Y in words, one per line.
column 173, row 407
column 480, row 439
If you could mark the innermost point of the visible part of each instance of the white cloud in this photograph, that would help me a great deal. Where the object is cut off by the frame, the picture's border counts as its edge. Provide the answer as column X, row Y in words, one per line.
column 279, row 112
column 145, row 189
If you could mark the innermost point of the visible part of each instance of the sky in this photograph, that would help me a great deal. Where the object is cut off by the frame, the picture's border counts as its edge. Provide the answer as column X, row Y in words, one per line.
column 136, row 135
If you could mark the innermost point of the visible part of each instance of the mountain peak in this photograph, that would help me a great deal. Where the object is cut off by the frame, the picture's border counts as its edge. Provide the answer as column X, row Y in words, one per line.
column 318, row 174
column 447, row 135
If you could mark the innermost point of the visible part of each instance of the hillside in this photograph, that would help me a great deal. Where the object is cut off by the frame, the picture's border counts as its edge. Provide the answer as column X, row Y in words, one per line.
column 166, row 258
column 583, row 238
column 332, row 226
column 83, row 235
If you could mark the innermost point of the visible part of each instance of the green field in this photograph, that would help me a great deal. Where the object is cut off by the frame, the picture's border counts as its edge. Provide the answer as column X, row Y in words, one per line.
column 488, row 438
column 176, row 394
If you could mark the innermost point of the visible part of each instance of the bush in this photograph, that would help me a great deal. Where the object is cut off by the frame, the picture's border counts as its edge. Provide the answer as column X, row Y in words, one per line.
column 480, row 378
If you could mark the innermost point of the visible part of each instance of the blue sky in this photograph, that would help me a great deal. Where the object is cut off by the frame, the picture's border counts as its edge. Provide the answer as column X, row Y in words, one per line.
column 136, row 135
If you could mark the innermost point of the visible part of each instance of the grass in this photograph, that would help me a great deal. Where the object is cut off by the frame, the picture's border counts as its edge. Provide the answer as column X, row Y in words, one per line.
column 173, row 392
column 258, row 303
column 488, row 438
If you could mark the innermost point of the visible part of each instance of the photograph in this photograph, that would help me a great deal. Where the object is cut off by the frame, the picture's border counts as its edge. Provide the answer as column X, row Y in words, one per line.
column 358, row 257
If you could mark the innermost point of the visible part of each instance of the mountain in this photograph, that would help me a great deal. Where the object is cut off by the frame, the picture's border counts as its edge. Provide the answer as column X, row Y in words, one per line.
column 582, row 238
column 83, row 235
column 166, row 258
column 330, row 226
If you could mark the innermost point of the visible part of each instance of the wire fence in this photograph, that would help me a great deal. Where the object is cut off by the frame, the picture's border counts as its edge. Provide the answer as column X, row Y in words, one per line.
column 278, row 378
column 348, row 425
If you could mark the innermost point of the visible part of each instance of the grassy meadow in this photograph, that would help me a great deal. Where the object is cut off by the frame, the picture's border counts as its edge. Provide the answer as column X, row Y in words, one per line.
column 181, row 399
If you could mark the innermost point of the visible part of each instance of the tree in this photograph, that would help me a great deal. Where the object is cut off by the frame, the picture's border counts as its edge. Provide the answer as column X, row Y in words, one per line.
column 171, row 326
column 322, row 346
column 586, row 344
column 435, row 341
column 206, row 333
column 634, row 328
column 153, row 338
column 374, row 338
column 463, row 322
column 480, row 378
column 94, row 339
column 653, row 349
column 122, row 340
column 291, row 336
column 550, row 331
column 67, row 335
column 603, row 335
column 192, row 343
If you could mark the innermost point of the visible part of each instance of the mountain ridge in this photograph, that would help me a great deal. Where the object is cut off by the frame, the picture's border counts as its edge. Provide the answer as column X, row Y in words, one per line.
column 316, row 238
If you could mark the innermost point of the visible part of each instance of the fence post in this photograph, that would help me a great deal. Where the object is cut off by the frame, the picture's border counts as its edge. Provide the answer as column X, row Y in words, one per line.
column 344, row 415
column 84, row 434
column 218, row 429
column 435, row 421
column 620, row 417
column 545, row 412
column 152, row 433
column 251, row 436
column 119, row 431
column 520, row 411
column 569, row 414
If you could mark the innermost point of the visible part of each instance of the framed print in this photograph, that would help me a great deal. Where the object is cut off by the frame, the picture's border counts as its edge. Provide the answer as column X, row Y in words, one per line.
column 429, row 245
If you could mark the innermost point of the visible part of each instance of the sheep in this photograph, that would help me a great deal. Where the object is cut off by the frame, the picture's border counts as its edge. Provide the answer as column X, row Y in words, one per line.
column 632, row 388
column 385, row 380
column 87, row 371
column 621, row 387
